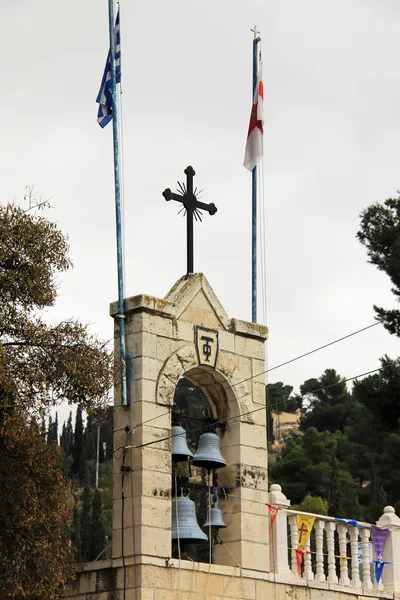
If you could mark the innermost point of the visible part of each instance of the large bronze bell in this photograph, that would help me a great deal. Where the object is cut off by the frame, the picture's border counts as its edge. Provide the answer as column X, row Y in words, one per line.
column 184, row 522
column 180, row 450
column 214, row 518
column 208, row 455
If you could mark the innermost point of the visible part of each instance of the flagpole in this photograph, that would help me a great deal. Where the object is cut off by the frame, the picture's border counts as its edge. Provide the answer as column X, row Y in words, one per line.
column 118, row 215
column 254, row 198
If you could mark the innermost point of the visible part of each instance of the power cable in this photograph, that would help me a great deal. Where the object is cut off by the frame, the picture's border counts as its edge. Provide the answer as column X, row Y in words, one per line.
column 250, row 412
column 266, row 371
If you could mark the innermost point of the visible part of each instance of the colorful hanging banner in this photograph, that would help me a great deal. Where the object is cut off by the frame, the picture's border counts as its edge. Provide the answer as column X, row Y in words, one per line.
column 304, row 526
column 273, row 511
column 352, row 522
column 379, row 537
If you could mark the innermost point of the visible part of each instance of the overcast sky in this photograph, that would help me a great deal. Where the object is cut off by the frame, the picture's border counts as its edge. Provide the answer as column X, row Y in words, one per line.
column 331, row 139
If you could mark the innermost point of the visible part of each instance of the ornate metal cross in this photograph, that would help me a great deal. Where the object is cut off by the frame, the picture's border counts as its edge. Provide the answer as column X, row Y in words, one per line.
column 193, row 207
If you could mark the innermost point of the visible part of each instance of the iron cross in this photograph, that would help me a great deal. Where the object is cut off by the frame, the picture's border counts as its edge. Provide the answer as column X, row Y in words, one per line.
column 191, row 204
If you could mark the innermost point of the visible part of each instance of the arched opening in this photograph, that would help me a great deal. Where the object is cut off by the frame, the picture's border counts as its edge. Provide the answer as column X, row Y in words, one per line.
column 197, row 411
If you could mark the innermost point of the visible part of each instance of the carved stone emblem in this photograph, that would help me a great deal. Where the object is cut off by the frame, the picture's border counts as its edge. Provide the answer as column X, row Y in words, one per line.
column 206, row 346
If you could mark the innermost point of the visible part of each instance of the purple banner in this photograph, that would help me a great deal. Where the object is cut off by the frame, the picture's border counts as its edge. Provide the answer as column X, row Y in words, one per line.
column 379, row 536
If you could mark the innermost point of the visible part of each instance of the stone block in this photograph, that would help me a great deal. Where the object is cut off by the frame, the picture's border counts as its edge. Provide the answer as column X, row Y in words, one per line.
column 150, row 483
column 226, row 341
column 146, row 368
column 317, row 594
column 302, row 593
column 142, row 343
column 160, row 437
column 153, row 511
column 258, row 369
column 87, row 582
column 104, row 580
column 157, row 577
column 259, row 393
column 164, row 348
column 268, row 589
column 249, row 329
column 249, row 347
column 128, row 512
column 198, row 316
column 254, row 457
column 229, row 553
column 154, row 459
column 182, row 331
column 131, row 578
column 238, row 587
column 166, row 594
column 247, row 526
column 129, row 543
column 154, row 541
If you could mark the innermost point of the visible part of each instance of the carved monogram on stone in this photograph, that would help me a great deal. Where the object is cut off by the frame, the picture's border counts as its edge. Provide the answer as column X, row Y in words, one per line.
column 206, row 346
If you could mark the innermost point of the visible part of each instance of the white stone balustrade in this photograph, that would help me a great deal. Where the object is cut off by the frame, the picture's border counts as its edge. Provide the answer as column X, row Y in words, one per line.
column 337, row 552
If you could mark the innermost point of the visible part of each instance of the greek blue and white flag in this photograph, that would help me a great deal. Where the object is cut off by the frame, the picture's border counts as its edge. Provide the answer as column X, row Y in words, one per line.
column 104, row 97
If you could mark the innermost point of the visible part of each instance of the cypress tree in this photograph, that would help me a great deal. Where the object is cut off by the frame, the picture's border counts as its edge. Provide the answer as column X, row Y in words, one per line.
column 49, row 436
column 78, row 440
column 63, row 439
column 76, row 532
column 69, row 436
column 89, row 441
column 55, row 430
column 85, row 526
column 43, row 433
column 98, row 538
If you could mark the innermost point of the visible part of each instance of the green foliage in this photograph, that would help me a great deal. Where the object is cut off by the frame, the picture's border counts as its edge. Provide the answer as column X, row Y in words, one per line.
column 97, row 533
column 35, row 559
column 380, row 234
column 348, row 454
column 330, row 406
column 280, row 399
column 313, row 504
column 40, row 366
column 85, row 534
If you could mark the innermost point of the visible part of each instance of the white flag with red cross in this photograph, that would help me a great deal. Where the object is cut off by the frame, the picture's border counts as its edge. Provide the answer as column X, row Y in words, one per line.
column 254, row 145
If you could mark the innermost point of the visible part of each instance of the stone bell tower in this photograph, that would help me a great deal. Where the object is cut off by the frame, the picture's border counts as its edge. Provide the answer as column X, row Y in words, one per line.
column 188, row 333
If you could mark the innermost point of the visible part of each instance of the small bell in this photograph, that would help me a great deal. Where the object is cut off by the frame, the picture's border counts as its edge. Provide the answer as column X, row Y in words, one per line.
column 180, row 450
column 185, row 527
column 208, row 455
column 214, row 517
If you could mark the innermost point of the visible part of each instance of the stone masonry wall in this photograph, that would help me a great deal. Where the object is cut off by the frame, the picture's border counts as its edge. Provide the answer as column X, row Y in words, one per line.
column 192, row 582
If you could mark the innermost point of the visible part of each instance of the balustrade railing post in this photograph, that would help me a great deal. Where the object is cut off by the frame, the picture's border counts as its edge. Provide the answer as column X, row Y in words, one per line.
column 391, row 555
column 319, row 527
column 366, row 558
column 344, row 567
column 355, row 565
column 330, row 542
column 294, row 536
column 279, row 556
column 308, row 572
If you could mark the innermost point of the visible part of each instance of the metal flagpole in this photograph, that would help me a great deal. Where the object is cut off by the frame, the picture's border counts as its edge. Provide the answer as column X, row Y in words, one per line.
column 254, row 198
column 117, row 186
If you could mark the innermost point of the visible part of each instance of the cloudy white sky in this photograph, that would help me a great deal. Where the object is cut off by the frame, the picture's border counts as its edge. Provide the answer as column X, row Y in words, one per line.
column 332, row 147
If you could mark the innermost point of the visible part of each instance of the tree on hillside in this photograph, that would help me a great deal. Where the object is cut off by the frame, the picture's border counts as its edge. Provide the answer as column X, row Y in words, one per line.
column 35, row 558
column 43, row 364
column 280, row 399
column 380, row 234
column 40, row 366
column 97, row 534
column 330, row 406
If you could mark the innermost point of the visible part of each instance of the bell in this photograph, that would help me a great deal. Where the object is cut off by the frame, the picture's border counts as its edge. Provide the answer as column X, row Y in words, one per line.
column 185, row 527
column 208, row 455
column 180, row 450
column 214, row 517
